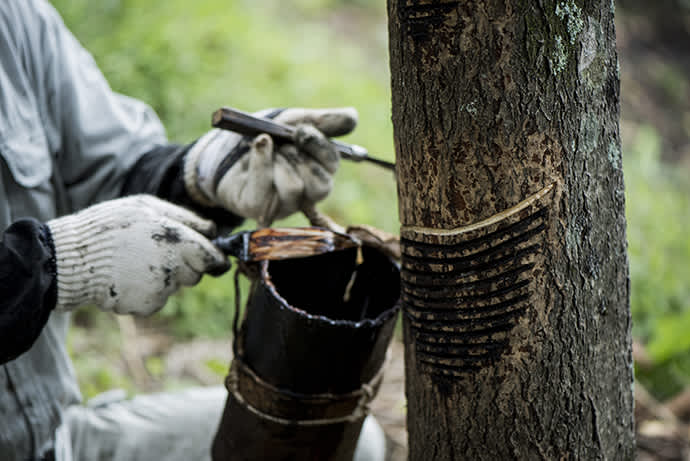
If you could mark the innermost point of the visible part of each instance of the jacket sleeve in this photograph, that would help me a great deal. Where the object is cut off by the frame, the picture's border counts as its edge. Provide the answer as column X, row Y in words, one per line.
column 107, row 144
column 160, row 172
column 28, row 285
column 95, row 134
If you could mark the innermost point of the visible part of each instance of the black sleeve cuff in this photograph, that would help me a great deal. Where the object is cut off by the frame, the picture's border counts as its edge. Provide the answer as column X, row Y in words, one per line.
column 160, row 172
column 28, row 285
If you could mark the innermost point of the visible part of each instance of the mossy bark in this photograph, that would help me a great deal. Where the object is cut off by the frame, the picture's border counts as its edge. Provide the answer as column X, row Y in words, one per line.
column 511, row 200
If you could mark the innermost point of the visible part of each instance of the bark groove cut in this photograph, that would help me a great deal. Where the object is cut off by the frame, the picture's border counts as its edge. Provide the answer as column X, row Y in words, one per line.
column 489, row 280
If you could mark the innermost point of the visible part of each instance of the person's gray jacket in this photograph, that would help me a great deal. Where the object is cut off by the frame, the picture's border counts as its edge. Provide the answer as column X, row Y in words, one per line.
column 66, row 141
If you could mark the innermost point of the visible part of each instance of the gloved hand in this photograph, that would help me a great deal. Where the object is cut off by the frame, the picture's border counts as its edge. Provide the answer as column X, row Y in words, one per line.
column 256, row 179
column 128, row 255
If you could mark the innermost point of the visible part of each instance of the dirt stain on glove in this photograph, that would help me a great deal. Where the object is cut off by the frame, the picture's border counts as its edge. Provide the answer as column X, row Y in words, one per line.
column 169, row 235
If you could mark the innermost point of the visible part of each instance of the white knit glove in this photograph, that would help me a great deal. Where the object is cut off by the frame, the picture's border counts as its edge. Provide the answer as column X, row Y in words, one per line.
column 128, row 255
column 255, row 179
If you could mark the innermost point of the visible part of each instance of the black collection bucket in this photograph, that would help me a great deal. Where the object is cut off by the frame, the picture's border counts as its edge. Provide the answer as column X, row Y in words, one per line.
column 309, row 357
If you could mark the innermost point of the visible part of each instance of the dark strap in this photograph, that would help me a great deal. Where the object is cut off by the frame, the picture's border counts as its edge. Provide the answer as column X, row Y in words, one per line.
column 238, row 152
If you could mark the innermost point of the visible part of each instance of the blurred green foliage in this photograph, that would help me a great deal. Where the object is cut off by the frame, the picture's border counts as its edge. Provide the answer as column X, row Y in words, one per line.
column 658, row 212
column 187, row 59
column 96, row 355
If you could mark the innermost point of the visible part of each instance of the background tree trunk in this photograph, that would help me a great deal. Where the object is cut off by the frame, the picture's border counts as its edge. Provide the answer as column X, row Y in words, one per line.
column 515, row 276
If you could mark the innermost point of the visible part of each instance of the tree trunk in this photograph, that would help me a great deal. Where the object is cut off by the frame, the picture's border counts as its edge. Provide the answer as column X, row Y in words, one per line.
column 515, row 275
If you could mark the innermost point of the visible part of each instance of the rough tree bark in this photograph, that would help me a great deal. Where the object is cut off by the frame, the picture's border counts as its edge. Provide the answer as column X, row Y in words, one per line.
column 515, row 276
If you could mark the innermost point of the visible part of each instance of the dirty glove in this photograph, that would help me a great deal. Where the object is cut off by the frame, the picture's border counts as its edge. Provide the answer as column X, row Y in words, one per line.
column 255, row 178
column 128, row 255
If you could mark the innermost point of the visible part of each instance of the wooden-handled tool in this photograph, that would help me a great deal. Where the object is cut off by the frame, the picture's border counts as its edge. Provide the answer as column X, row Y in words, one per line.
column 249, row 125
column 283, row 243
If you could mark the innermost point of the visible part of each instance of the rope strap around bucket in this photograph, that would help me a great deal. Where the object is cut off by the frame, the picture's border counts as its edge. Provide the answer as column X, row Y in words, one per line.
column 284, row 407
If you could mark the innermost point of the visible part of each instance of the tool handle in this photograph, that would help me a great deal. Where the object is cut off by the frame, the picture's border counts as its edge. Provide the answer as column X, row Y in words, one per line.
column 233, row 245
column 249, row 125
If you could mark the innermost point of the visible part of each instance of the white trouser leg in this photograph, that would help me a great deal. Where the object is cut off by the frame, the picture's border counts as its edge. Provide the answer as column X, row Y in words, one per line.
column 168, row 427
